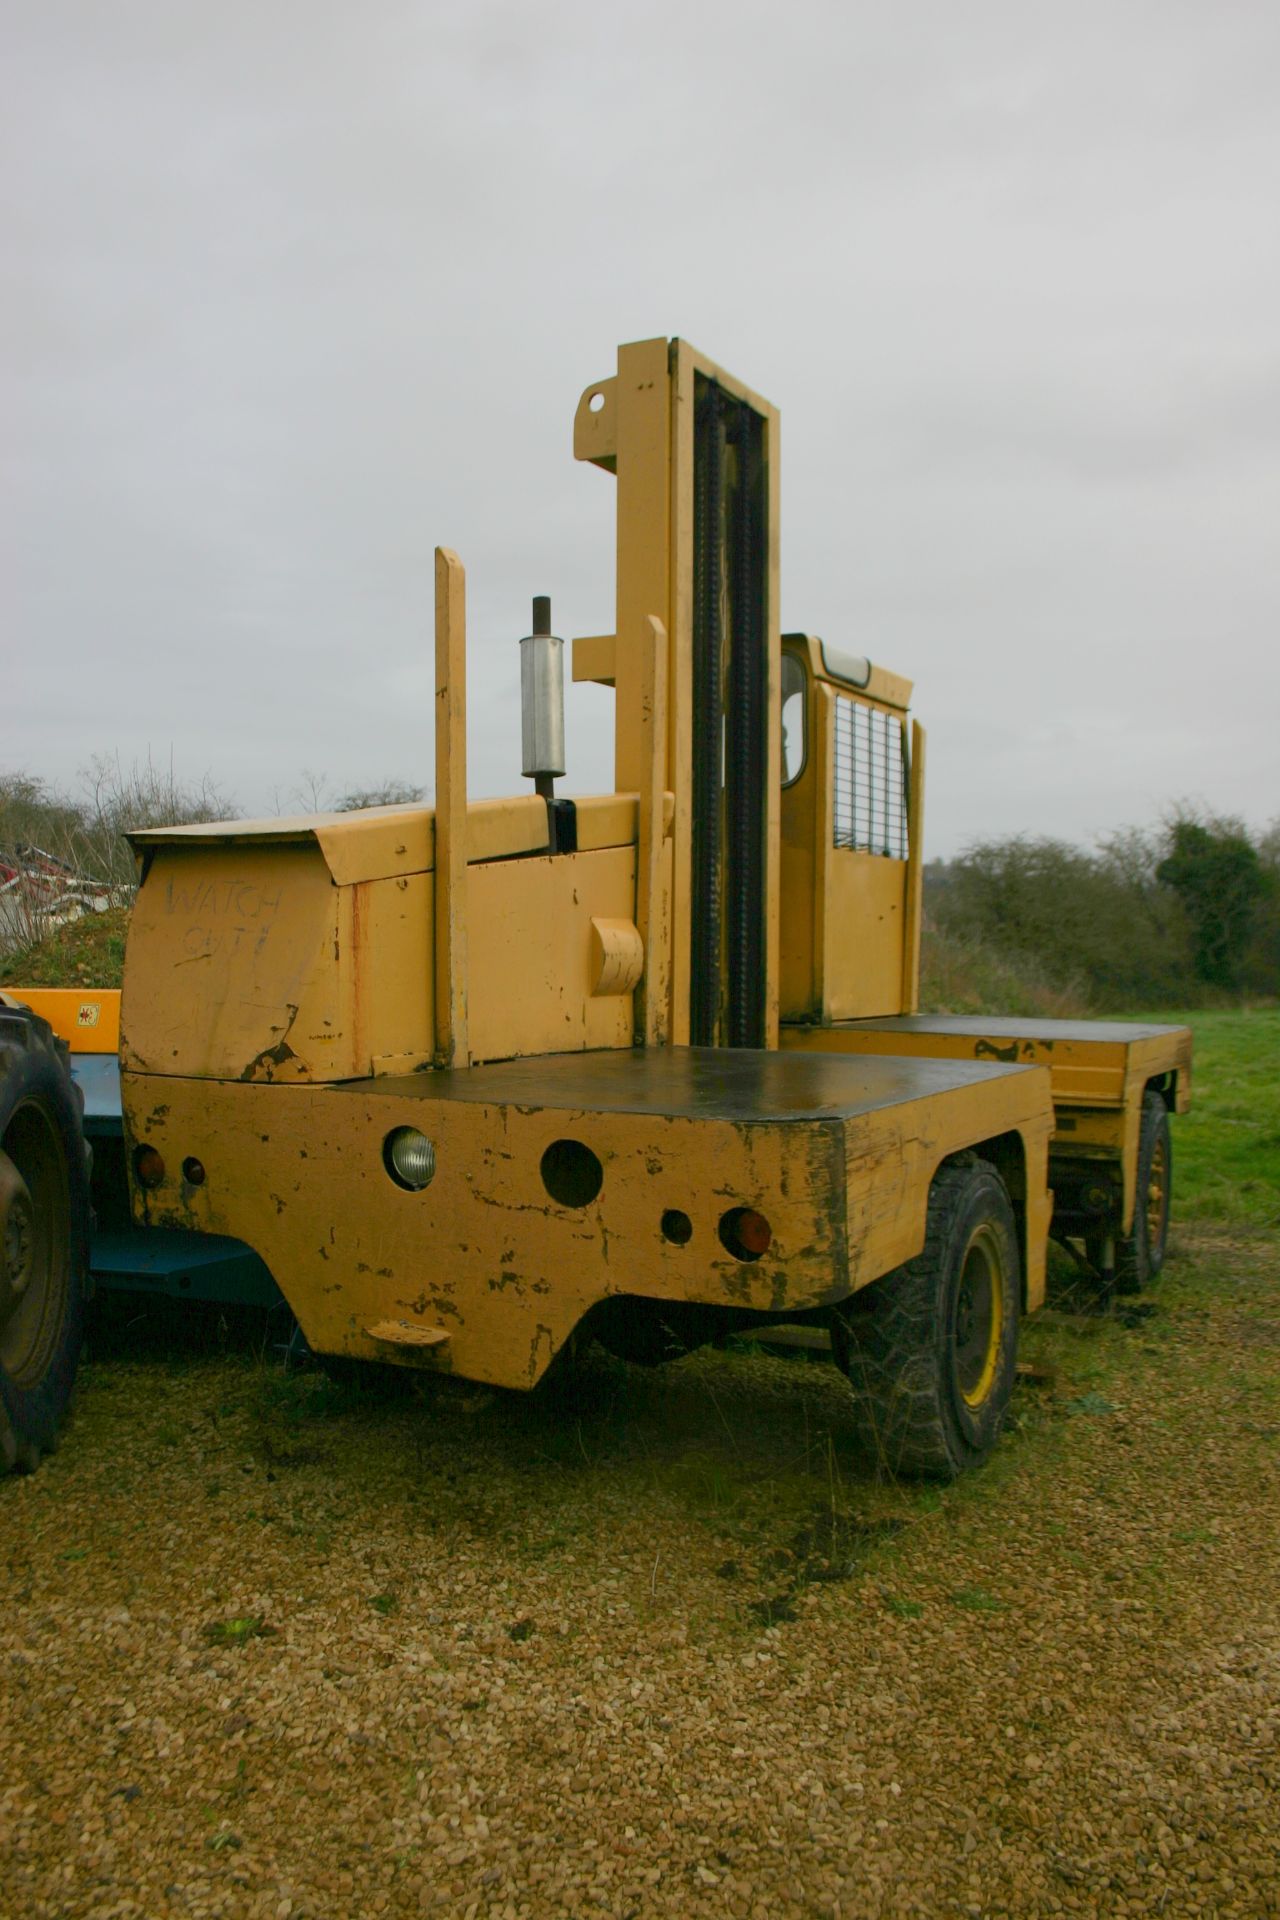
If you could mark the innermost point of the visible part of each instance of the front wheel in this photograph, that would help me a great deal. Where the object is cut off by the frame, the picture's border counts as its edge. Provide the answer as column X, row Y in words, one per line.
column 1140, row 1254
column 931, row 1349
column 44, row 1237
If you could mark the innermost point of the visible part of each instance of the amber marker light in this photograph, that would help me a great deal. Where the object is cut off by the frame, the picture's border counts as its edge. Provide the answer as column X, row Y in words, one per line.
column 148, row 1165
column 745, row 1233
column 754, row 1231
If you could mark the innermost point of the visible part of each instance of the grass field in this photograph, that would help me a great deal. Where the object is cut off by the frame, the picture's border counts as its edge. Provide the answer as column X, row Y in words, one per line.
column 1228, row 1147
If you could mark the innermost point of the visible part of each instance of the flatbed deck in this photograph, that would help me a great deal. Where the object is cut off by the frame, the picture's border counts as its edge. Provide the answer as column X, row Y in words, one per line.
column 666, row 1147
column 1092, row 1063
column 732, row 1084
column 1100, row 1071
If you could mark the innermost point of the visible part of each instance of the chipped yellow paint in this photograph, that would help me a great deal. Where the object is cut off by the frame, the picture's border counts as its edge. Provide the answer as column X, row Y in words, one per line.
column 294, row 989
column 484, row 1251
column 248, row 961
column 278, row 956
column 1099, row 1071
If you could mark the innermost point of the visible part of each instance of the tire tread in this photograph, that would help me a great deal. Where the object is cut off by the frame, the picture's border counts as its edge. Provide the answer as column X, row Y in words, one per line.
column 889, row 1332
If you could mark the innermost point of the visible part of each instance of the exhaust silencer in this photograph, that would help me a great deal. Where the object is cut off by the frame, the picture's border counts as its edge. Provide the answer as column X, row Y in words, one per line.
column 542, row 700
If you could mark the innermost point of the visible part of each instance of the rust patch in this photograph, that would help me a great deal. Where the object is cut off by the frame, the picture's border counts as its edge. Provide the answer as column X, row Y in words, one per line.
column 264, row 1065
column 542, row 1335
column 438, row 1303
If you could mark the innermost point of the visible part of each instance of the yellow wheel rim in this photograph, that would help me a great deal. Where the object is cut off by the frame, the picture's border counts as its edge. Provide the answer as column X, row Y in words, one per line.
column 979, row 1321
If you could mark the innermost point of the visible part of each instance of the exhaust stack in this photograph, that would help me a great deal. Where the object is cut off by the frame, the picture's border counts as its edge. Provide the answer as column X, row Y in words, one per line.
column 542, row 701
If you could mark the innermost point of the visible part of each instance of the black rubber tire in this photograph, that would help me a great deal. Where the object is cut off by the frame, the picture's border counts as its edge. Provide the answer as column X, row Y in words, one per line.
column 46, row 1238
column 1140, row 1254
column 908, row 1345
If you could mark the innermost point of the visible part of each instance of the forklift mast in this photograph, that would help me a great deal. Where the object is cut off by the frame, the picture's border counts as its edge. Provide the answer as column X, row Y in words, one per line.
column 696, row 459
column 795, row 878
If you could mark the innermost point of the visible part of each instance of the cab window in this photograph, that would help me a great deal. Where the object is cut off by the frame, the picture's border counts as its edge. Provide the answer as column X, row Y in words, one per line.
column 795, row 710
column 870, row 811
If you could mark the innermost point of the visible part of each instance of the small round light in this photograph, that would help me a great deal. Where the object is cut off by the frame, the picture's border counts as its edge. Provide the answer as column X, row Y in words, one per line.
column 193, row 1171
column 148, row 1165
column 745, row 1233
column 409, row 1158
column 754, row 1231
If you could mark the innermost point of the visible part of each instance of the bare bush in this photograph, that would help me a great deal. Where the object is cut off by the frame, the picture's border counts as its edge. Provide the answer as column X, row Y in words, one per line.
column 391, row 793
column 63, row 855
column 119, row 801
column 965, row 973
column 314, row 794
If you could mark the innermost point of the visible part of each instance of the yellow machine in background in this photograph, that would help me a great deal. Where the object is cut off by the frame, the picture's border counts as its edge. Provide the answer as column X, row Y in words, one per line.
column 479, row 1081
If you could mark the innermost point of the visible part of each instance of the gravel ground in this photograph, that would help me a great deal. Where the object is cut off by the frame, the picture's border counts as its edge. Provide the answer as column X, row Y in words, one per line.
column 283, row 1649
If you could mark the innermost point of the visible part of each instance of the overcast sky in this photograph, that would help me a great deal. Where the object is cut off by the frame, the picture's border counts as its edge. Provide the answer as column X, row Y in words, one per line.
column 293, row 292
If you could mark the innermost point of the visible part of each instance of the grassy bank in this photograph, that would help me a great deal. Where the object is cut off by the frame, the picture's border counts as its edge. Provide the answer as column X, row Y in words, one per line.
column 1227, row 1149
column 88, row 952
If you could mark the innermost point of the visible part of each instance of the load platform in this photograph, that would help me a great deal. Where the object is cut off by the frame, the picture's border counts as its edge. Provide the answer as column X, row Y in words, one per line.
column 560, row 1180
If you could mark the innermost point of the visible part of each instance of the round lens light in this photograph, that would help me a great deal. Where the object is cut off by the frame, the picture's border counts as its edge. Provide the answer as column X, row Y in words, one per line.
column 410, row 1158
column 148, row 1164
column 754, row 1231
column 745, row 1233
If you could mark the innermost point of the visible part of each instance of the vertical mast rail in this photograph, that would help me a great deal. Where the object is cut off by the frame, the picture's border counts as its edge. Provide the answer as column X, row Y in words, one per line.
column 451, row 812
column 653, row 920
column 708, row 707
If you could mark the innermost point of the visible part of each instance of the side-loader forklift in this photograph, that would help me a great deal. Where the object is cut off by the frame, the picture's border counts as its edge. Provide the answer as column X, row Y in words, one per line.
column 474, row 1084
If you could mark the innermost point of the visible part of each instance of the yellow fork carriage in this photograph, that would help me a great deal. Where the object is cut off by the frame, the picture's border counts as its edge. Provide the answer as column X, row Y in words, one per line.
column 476, row 1082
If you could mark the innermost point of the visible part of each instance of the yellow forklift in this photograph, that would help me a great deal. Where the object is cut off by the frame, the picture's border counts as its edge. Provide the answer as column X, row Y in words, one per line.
column 481, row 1082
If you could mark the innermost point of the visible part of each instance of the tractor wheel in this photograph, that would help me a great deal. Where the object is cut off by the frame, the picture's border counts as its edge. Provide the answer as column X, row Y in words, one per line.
column 1140, row 1254
column 44, row 1237
column 931, row 1349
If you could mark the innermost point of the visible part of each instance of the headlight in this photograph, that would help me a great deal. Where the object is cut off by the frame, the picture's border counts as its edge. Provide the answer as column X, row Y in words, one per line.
column 410, row 1158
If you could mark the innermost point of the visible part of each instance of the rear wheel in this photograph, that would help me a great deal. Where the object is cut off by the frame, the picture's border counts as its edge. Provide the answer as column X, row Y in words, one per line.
column 931, row 1350
column 1140, row 1254
column 44, row 1237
